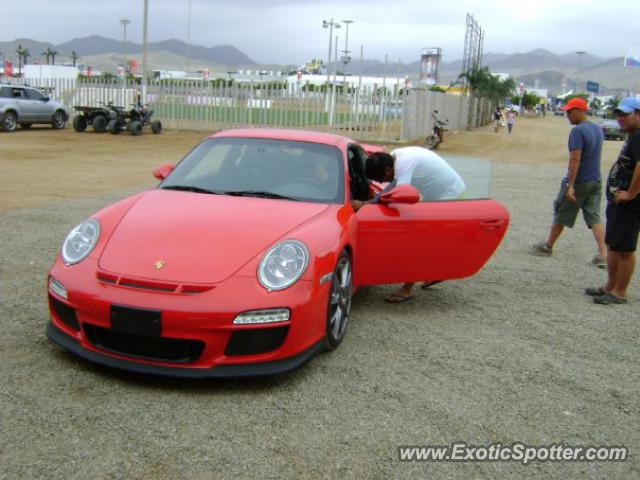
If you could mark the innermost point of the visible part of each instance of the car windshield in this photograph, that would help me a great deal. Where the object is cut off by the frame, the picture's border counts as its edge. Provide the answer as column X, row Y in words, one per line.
column 265, row 168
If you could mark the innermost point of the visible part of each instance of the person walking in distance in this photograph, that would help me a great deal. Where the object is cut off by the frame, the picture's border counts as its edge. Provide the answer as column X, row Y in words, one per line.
column 581, row 188
column 497, row 119
column 623, row 210
column 511, row 119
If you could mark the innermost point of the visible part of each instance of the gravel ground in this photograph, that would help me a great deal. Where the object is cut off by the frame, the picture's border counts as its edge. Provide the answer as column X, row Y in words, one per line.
column 516, row 353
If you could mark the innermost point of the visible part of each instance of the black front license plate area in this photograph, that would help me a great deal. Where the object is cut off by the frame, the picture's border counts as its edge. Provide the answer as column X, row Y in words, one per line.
column 136, row 321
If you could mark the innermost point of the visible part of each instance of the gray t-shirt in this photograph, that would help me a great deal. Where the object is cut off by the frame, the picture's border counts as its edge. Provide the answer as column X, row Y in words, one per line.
column 587, row 137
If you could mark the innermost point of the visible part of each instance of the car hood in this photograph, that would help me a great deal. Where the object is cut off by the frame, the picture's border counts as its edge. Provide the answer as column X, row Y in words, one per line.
column 198, row 238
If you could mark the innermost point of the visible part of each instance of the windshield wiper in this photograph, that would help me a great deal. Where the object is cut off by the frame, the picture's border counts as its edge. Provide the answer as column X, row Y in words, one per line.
column 190, row 188
column 258, row 193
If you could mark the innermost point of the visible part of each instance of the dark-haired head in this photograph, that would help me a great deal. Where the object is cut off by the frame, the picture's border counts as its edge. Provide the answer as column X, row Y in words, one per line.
column 380, row 167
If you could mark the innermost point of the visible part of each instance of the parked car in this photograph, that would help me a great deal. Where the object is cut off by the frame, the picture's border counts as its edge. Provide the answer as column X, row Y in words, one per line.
column 611, row 129
column 23, row 105
column 244, row 259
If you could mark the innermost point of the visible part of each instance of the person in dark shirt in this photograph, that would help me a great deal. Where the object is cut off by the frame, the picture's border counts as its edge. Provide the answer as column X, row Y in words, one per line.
column 623, row 210
column 581, row 188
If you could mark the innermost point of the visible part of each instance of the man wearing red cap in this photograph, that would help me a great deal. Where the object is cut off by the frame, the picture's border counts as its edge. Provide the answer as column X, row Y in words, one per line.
column 623, row 210
column 581, row 189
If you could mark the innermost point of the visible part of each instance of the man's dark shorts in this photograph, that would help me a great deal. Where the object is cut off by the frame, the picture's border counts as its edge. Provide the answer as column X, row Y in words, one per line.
column 588, row 196
column 623, row 226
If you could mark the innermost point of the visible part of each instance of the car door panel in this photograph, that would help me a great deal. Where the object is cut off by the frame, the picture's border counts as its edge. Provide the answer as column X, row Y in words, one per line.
column 39, row 109
column 427, row 240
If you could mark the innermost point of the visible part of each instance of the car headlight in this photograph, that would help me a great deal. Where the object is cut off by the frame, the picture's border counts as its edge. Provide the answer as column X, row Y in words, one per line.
column 80, row 241
column 283, row 265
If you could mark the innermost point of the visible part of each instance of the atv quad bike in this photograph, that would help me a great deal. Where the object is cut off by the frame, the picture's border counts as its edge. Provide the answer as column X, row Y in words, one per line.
column 97, row 117
column 134, row 121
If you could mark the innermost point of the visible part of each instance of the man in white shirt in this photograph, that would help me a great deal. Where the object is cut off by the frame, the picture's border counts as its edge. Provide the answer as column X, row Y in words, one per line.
column 427, row 171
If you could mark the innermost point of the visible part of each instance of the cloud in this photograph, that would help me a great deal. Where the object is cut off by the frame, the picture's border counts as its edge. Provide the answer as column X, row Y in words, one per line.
column 290, row 31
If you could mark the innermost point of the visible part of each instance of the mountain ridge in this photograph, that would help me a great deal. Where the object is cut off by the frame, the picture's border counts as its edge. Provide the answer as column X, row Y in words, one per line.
column 539, row 66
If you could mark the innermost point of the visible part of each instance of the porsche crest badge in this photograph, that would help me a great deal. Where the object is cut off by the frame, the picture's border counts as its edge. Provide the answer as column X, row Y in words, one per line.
column 159, row 264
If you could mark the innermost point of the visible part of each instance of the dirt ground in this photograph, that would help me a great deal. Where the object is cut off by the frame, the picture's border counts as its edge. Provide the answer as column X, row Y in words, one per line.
column 43, row 164
column 516, row 353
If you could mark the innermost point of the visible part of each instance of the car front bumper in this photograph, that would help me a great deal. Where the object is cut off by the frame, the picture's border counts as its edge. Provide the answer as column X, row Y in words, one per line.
column 221, row 371
column 196, row 336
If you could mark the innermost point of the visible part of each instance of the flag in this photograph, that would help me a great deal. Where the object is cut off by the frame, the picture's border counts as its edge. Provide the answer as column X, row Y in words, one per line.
column 633, row 57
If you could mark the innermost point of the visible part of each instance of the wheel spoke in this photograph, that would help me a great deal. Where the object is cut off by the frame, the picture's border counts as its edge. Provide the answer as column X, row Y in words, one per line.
column 335, row 298
column 336, row 323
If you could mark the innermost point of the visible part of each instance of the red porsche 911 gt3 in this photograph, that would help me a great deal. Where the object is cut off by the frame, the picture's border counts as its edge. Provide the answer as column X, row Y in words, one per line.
column 244, row 259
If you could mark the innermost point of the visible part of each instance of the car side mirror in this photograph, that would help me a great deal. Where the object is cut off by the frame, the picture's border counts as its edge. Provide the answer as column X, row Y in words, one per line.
column 45, row 99
column 401, row 194
column 161, row 172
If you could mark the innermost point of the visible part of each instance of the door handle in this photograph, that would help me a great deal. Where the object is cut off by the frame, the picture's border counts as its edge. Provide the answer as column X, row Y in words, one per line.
column 494, row 224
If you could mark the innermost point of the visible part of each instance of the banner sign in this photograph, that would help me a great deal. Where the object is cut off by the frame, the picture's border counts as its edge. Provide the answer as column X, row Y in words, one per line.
column 593, row 87
column 430, row 65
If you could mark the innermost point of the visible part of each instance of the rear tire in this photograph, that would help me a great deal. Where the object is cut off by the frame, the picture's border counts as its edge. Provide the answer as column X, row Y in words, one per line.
column 79, row 123
column 135, row 128
column 10, row 122
column 339, row 304
column 99, row 124
column 156, row 127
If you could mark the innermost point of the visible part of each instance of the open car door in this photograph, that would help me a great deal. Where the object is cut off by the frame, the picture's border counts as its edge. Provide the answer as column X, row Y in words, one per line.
column 426, row 241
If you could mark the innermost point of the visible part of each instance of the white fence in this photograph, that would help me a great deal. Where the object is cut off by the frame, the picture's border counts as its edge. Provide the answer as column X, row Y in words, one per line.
column 372, row 113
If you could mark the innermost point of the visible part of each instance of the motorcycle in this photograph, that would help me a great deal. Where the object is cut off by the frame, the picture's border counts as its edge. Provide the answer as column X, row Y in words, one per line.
column 437, row 132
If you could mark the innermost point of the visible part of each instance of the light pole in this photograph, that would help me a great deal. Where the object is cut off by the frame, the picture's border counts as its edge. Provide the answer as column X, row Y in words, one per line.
column 346, row 58
column 144, row 51
column 580, row 54
column 124, row 22
column 330, row 25
column 188, row 36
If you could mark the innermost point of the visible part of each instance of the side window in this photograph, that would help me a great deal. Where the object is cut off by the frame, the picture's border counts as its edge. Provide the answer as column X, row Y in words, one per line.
column 359, row 183
column 17, row 93
column 5, row 92
column 33, row 94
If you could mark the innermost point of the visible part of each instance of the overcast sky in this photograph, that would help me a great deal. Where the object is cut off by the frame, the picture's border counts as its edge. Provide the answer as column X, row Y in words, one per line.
column 290, row 31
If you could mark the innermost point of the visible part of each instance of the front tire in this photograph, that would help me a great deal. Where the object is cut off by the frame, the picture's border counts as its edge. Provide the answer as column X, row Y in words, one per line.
column 339, row 304
column 99, row 124
column 135, row 128
column 59, row 120
column 156, row 127
column 113, row 127
column 432, row 142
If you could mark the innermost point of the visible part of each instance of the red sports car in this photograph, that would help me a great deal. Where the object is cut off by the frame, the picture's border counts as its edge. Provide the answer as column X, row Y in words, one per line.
column 244, row 259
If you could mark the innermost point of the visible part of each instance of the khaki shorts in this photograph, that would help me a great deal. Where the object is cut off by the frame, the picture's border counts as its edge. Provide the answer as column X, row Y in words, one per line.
column 588, row 196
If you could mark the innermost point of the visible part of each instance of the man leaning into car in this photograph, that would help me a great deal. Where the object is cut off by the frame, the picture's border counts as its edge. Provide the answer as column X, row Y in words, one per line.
column 427, row 171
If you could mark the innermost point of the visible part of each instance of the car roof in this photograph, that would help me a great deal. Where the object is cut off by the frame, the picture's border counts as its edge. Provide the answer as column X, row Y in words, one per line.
column 286, row 134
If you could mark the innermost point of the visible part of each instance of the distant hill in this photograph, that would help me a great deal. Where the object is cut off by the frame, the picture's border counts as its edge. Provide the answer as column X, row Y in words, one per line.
column 97, row 45
column 538, row 67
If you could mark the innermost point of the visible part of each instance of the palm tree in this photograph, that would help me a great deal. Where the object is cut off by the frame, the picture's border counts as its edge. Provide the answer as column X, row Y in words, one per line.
column 20, row 51
column 53, row 54
column 74, row 57
column 482, row 83
column 47, row 54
